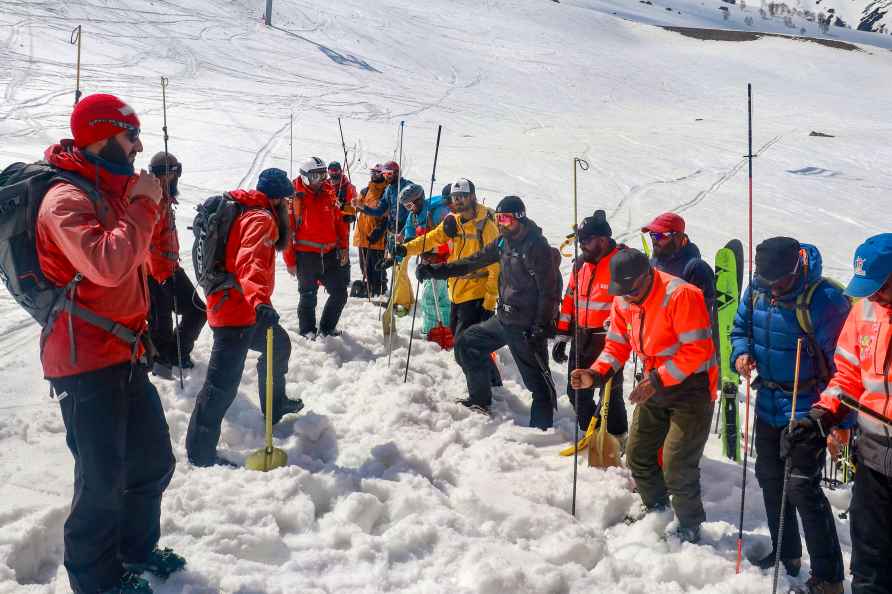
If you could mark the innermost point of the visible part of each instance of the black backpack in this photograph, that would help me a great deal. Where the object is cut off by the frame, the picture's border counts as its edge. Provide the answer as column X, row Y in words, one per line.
column 22, row 188
column 211, row 227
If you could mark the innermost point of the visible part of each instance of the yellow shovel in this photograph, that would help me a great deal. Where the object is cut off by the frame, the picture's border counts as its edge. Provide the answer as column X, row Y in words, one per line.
column 603, row 448
column 269, row 457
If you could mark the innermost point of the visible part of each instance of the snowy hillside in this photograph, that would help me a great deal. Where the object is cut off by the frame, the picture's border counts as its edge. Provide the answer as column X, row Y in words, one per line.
column 392, row 487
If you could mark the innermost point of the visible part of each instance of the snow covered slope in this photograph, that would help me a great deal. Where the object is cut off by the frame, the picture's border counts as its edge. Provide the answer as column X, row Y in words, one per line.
column 392, row 488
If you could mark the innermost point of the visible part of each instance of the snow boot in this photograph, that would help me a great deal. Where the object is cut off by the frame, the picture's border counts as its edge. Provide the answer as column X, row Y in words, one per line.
column 218, row 461
column 816, row 585
column 160, row 563
column 689, row 534
column 644, row 510
column 792, row 566
column 288, row 407
column 333, row 333
column 130, row 583
column 474, row 406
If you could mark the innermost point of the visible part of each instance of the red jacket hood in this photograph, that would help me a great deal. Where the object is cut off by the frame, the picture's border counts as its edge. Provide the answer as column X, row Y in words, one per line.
column 67, row 157
column 251, row 199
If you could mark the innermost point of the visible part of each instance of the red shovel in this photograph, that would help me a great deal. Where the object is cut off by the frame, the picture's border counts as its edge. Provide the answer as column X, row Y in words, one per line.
column 440, row 334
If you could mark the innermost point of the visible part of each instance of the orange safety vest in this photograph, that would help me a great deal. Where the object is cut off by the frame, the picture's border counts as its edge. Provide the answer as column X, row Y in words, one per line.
column 594, row 300
column 862, row 362
column 670, row 331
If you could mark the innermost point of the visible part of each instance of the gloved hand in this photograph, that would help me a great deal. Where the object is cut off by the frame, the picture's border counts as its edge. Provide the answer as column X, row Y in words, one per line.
column 376, row 234
column 399, row 250
column 425, row 271
column 349, row 219
column 559, row 350
column 384, row 264
column 804, row 439
column 266, row 315
column 450, row 225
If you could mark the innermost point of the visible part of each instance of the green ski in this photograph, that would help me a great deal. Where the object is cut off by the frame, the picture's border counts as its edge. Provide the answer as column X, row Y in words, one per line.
column 727, row 285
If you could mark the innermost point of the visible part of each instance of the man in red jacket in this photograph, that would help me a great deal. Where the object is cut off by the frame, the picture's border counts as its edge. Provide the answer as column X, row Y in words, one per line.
column 319, row 249
column 170, row 289
column 92, row 352
column 240, row 317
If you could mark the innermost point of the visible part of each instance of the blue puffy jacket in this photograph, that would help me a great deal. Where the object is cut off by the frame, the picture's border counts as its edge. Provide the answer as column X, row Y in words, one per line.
column 438, row 210
column 775, row 331
column 687, row 264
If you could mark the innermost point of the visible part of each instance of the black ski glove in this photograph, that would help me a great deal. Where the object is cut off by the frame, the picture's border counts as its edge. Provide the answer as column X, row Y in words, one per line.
column 559, row 350
column 450, row 225
column 804, row 439
column 399, row 250
column 266, row 316
column 426, row 271
column 384, row 264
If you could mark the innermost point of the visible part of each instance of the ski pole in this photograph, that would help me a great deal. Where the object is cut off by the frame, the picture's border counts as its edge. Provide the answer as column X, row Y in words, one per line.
column 291, row 145
column 583, row 165
column 344, row 147
column 76, row 40
column 428, row 224
column 173, row 280
column 788, row 466
column 396, row 220
column 746, row 423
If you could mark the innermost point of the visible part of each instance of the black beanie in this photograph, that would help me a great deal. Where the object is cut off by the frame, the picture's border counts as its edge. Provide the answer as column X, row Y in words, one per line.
column 512, row 205
column 594, row 226
column 776, row 257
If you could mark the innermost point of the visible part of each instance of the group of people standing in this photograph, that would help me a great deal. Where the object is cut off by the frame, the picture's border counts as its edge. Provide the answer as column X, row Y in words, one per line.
column 116, row 263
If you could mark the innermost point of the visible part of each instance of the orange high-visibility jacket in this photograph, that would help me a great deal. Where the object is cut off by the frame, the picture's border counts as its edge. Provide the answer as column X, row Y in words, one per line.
column 671, row 332
column 862, row 373
column 594, row 300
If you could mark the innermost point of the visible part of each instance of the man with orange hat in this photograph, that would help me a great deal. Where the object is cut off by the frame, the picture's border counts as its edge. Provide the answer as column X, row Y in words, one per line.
column 95, row 244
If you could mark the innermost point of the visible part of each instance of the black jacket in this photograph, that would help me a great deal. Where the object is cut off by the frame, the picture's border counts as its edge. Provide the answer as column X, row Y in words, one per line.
column 527, row 278
column 687, row 264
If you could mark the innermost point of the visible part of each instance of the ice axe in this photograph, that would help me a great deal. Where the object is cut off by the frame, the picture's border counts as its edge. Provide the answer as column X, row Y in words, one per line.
column 269, row 457
column 603, row 448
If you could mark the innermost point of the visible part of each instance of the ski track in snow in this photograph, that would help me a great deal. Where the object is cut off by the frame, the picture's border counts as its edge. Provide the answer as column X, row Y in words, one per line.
column 391, row 487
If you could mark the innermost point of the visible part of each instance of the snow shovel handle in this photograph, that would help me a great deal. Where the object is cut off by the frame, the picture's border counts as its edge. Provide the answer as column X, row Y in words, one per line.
column 269, row 390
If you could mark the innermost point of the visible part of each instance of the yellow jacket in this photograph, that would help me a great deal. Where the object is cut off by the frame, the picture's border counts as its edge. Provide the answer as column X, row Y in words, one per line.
column 471, row 236
column 366, row 223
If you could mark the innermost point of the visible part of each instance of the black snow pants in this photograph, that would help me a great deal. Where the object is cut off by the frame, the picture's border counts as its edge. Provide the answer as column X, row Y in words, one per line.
column 123, row 462
column 313, row 269
column 591, row 344
column 871, row 531
column 180, row 290
column 369, row 260
column 804, row 495
column 463, row 316
column 225, row 367
column 477, row 342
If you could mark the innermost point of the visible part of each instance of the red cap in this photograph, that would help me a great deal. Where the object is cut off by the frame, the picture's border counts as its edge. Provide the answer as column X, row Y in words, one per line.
column 101, row 116
column 666, row 222
column 392, row 166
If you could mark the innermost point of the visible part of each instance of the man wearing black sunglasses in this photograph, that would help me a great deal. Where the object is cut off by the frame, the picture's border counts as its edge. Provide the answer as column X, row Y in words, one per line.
column 787, row 287
column 170, row 289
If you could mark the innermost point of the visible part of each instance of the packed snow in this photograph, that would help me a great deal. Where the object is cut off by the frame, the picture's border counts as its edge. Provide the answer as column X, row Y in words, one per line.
column 391, row 487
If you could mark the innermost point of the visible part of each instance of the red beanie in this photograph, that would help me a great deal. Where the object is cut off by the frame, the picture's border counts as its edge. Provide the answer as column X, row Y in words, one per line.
column 101, row 116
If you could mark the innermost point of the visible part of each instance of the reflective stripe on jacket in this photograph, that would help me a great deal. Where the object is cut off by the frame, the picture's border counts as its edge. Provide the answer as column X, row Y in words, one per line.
column 863, row 358
column 594, row 300
column 670, row 331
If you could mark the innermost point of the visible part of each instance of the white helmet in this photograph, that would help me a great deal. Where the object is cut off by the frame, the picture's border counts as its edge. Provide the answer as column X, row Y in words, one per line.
column 313, row 170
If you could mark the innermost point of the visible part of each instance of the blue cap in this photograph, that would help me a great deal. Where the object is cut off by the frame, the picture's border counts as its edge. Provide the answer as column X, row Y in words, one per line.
column 872, row 264
column 275, row 184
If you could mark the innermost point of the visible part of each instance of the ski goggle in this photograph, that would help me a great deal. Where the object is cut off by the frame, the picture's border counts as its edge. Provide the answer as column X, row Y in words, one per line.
column 132, row 131
column 315, row 177
column 661, row 235
column 159, row 170
column 505, row 219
